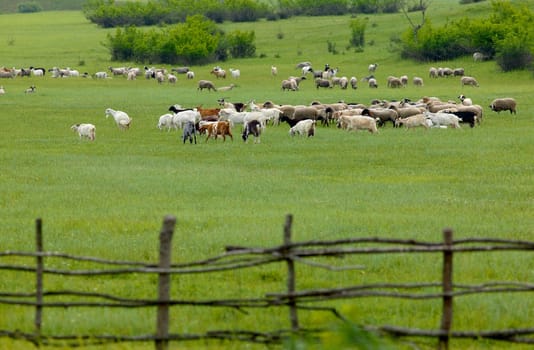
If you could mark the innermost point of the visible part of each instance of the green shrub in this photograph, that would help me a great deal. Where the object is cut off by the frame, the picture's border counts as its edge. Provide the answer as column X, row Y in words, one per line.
column 241, row 44
column 30, row 6
column 357, row 28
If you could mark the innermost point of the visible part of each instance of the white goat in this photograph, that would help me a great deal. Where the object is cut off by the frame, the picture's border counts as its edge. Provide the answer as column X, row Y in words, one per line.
column 85, row 130
column 236, row 73
column 181, row 118
column 165, row 121
column 122, row 119
column 304, row 127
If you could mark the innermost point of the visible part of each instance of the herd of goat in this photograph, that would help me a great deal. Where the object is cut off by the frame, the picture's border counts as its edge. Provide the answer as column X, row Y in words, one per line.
column 218, row 122
column 427, row 112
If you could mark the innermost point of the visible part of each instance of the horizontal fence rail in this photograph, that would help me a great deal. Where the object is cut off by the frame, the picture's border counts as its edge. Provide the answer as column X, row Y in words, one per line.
column 290, row 254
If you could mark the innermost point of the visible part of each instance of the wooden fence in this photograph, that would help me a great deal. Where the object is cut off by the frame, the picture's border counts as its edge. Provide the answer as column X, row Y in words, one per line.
column 289, row 253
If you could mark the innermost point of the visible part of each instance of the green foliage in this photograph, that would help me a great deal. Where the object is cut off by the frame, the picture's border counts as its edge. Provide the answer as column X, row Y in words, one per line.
column 357, row 29
column 504, row 35
column 198, row 40
column 30, row 6
column 374, row 6
column 242, row 44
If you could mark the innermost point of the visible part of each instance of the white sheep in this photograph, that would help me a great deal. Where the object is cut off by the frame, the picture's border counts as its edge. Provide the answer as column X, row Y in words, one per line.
column 304, row 127
column 2, row 91
column 440, row 119
column 413, row 121
column 30, row 90
column 357, row 122
column 122, row 119
column 354, row 82
column 101, row 75
column 85, row 130
column 274, row 71
column 469, row 81
column 417, row 81
column 172, row 79
column 372, row 67
column 190, row 75
column 372, row 83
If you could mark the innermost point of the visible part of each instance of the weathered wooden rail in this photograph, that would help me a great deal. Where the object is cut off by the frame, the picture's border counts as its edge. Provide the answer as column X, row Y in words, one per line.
column 290, row 253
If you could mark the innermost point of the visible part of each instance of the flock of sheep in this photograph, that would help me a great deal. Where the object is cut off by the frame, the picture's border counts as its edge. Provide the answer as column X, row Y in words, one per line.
column 218, row 122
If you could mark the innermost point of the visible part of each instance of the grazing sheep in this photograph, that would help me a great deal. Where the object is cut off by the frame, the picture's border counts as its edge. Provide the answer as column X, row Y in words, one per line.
column 372, row 67
column 190, row 132
column 404, row 80
column 304, row 127
column 101, row 75
column 372, row 83
column 38, row 72
column 172, row 79
column 218, row 72
column 206, row 84
column 504, row 104
column 121, row 118
column 303, row 64
column 443, row 119
column 381, row 115
column 253, row 128
column 289, row 84
column 2, row 91
column 180, row 70
column 274, row 71
column 465, row 101
column 190, row 75
column 433, row 72
column 470, row 81
column 357, row 122
column 226, row 88
column 394, row 82
column 417, row 81
column 324, row 83
column 354, row 82
column 413, row 121
column 458, row 72
column 85, row 130
column 30, row 90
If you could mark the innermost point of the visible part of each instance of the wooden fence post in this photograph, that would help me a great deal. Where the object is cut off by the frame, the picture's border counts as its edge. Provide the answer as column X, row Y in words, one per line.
column 291, row 276
column 164, row 286
column 38, row 280
column 446, row 317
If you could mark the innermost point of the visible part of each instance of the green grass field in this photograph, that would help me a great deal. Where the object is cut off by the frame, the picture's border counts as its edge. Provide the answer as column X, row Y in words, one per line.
column 107, row 198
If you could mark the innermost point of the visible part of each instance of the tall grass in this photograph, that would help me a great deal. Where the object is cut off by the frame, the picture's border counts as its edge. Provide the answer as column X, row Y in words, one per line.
column 107, row 198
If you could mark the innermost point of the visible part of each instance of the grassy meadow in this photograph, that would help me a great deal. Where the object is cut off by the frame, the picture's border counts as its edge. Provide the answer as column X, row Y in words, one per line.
column 107, row 198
